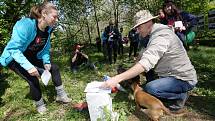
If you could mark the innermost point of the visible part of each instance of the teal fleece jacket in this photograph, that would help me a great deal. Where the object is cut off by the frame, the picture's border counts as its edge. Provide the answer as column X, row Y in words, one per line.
column 24, row 32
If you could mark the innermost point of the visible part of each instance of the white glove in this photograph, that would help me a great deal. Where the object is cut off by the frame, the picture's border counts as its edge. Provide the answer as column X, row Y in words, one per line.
column 47, row 67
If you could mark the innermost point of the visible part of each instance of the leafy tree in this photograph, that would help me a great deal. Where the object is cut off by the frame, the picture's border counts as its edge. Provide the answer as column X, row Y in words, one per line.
column 83, row 20
column 11, row 11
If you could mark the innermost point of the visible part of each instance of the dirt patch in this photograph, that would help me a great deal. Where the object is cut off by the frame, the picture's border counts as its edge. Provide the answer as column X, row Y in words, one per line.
column 190, row 116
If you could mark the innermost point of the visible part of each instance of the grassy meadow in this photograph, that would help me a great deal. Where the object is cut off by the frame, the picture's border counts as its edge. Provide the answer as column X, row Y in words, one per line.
column 16, row 103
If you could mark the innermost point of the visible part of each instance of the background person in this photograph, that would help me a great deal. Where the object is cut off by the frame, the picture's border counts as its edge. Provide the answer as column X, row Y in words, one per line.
column 78, row 58
column 171, row 14
column 111, row 33
column 104, row 45
column 120, row 42
column 134, row 40
column 98, row 44
column 28, row 50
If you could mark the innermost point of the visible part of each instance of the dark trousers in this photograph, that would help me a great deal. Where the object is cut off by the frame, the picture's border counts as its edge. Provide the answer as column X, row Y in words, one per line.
column 112, row 49
column 150, row 76
column 74, row 65
column 98, row 45
column 133, row 47
column 120, row 48
column 181, row 36
column 104, row 49
column 33, row 81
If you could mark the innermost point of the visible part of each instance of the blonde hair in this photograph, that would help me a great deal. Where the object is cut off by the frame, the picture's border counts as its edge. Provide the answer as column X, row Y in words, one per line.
column 36, row 11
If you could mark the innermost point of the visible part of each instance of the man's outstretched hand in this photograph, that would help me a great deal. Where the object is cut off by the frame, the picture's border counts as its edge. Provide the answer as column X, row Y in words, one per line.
column 110, row 83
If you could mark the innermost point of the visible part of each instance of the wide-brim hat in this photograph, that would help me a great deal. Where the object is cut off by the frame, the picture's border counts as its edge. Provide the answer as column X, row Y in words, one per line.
column 142, row 17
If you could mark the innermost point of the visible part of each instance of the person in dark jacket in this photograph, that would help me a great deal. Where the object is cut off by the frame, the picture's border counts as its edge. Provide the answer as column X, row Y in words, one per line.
column 120, row 42
column 104, row 45
column 134, row 40
column 27, row 52
column 78, row 58
column 112, row 34
column 172, row 15
column 98, row 44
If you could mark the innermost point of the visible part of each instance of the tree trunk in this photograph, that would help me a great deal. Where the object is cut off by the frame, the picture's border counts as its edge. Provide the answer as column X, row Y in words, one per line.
column 115, row 13
column 97, row 23
column 88, row 31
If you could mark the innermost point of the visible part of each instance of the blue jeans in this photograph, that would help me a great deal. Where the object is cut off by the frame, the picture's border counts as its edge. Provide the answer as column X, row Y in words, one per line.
column 168, row 88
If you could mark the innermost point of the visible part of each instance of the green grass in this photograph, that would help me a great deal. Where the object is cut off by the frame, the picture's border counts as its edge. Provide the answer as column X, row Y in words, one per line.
column 203, row 61
column 16, row 103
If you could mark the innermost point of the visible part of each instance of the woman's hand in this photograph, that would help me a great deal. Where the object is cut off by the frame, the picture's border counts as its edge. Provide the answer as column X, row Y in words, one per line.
column 47, row 67
column 34, row 72
column 180, row 29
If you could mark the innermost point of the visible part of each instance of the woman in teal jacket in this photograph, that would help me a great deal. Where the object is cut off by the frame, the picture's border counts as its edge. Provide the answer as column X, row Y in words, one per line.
column 27, row 52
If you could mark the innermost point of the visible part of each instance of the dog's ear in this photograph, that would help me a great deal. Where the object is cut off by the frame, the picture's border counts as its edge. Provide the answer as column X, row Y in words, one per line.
column 120, row 66
column 136, row 79
column 120, row 69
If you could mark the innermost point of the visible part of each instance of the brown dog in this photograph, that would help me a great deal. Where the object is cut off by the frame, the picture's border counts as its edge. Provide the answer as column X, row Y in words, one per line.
column 154, row 107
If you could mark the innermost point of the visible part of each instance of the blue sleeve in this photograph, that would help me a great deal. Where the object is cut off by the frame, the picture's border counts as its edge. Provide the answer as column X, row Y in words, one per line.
column 17, row 44
column 103, row 37
column 190, row 19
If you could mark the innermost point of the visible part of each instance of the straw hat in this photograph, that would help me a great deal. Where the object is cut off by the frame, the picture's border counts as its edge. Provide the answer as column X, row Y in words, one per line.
column 142, row 17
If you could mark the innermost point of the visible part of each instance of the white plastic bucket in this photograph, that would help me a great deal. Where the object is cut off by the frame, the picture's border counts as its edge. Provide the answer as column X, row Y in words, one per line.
column 99, row 106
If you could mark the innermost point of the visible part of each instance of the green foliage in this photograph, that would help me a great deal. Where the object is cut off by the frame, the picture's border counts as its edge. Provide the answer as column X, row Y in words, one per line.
column 10, row 12
column 194, row 6
column 203, row 61
column 4, row 34
column 75, row 14
column 211, row 4
column 106, row 114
